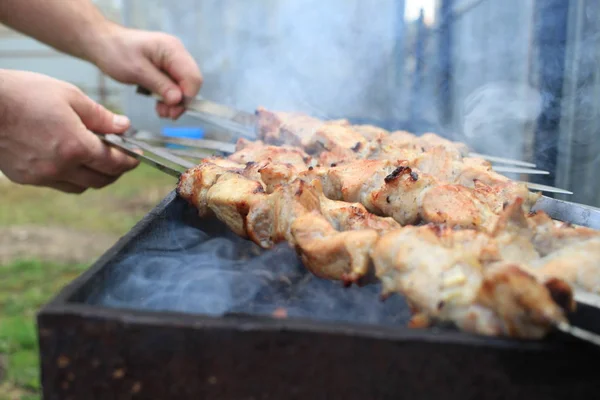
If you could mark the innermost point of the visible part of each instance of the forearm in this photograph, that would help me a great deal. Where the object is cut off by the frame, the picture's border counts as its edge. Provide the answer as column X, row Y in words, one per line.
column 75, row 27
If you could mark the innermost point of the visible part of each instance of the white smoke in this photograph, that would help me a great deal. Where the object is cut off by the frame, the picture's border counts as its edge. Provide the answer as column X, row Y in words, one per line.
column 496, row 115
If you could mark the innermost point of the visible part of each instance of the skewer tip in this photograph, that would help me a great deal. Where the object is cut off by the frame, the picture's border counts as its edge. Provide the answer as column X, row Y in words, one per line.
column 579, row 333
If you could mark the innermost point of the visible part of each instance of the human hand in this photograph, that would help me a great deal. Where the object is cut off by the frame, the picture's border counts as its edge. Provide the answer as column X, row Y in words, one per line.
column 154, row 60
column 46, row 135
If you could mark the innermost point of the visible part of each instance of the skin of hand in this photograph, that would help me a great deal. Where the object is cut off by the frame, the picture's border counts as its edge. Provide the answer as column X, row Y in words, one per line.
column 46, row 135
column 45, row 124
column 154, row 60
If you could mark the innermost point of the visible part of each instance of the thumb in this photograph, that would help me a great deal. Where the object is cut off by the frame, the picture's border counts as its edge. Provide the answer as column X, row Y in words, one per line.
column 158, row 82
column 98, row 119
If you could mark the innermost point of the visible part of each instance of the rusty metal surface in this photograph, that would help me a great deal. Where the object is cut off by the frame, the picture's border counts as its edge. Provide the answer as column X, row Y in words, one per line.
column 108, row 357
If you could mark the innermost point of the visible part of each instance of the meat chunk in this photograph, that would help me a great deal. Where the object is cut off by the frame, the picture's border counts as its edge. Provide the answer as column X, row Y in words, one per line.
column 447, row 282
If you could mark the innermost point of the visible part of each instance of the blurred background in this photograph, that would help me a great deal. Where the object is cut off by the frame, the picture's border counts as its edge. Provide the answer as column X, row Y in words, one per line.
column 513, row 78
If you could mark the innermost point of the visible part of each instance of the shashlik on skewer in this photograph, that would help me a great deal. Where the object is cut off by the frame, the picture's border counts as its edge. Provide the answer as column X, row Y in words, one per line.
column 444, row 280
column 339, row 136
column 269, row 218
column 350, row 182
column 390, row 188
column 339, row 141
column 530, row 322
column 428, row 264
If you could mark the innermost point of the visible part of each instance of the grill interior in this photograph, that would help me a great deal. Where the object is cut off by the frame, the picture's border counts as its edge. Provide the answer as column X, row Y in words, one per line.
column 184, row 264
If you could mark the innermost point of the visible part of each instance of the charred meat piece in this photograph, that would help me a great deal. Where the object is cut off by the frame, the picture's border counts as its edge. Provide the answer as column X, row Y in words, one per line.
column 285, row 128
column 292, row 213
column 547, row 249
column 408, row 196
column 577, row 264
column 445, row 281
column 371, row 133
column 330, row 254
column 335, row 143
column 247, row 151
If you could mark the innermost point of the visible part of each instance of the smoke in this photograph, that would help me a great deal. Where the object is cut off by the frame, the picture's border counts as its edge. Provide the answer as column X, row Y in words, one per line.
column 495, row 116
column 326, row 58
column 198, row 266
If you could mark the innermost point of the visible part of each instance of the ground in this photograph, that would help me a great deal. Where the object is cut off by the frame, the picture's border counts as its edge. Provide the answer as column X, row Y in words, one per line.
column 48, row 238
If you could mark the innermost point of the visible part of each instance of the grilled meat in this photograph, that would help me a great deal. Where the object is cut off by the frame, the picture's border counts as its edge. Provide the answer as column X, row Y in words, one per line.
column 315, row 135
column 410, row 196
column 384, row 187
column 336, row 143
column 247, row 151
column 461, row 276
column 549, row 250
column 292, row 212
column 501, row 273
column 444, row 280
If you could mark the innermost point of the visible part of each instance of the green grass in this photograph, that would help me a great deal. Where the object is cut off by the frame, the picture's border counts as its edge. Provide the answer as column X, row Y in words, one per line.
column 29, row 284
column 25, row 285
column 113, row 209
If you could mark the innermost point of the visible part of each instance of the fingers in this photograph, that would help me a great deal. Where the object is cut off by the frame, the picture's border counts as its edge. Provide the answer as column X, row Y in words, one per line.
column 89, row 150
column 84, row 177
column 95, row 117
column 182, row 67
column 105, row 159
column 170, row 55
column 158, row 82
column 162, row 110
column 66, row 187
column 165, row 111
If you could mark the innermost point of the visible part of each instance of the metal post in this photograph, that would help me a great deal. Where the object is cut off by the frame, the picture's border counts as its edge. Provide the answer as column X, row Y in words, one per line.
column 444, row 94
column 417, row 84
column 399, row 61
column 551, row 36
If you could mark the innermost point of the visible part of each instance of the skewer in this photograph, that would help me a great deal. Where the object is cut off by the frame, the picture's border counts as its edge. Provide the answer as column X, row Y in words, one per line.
column 229, row 148
column 121, row 141
column 545, row 188
column 587, row 299
column 502, row 160
column 519, row 170
column 243, row 123
column 204, row 144
column 579, row 333
column 213, row 145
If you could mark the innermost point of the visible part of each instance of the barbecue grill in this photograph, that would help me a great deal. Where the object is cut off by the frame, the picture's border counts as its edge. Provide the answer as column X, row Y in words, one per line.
column 183, row 308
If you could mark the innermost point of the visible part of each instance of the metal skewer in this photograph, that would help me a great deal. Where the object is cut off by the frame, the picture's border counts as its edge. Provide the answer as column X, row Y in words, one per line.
column 204, row 144
column 589, row 299
column 502, row 160
column 545, row 188
column 120, row 143
column 579, row 333
column 229, row 148
column 519, row 170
